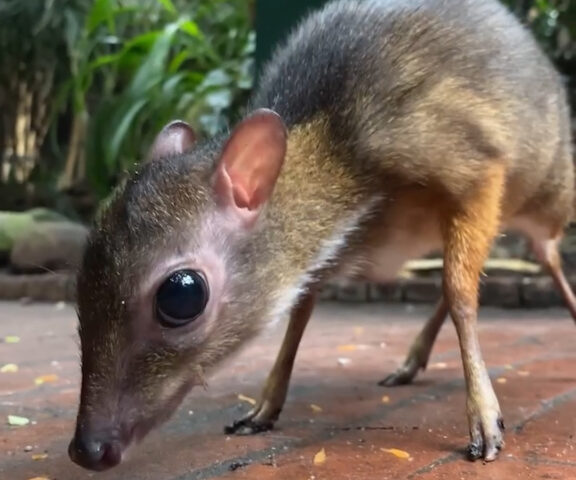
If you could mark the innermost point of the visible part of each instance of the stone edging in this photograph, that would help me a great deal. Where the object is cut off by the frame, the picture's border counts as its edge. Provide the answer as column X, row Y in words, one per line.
column 497, row 291
column 500, row 291
column 46, row 287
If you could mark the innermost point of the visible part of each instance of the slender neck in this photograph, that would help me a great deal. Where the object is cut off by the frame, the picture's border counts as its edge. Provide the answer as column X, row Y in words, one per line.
column 318, row 200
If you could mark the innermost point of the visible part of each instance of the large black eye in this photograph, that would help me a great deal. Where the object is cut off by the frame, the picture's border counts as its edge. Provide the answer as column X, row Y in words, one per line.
column 181, row 298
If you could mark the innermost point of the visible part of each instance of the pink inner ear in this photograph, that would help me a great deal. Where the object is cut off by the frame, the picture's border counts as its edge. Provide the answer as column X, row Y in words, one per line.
column 251, row 161
column 175, row 138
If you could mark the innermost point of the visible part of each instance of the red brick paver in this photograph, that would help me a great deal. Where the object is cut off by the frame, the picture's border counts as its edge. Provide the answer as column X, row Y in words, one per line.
column 531, row 355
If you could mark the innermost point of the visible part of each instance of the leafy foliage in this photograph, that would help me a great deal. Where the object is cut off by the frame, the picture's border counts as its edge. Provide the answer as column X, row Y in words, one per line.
column 553, row 23
column 85, row 85
column 193, row 63
column 31, row 68
column 119, row 70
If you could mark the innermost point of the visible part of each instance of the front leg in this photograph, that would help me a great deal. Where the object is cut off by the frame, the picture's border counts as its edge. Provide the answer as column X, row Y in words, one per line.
column 262, row 417
column 468, row 233
column 420, row 350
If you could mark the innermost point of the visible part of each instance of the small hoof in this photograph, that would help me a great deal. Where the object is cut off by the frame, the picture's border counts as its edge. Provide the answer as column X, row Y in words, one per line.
column 486, row 446
column 398, row 378
column 248, row 427
column 474, row 452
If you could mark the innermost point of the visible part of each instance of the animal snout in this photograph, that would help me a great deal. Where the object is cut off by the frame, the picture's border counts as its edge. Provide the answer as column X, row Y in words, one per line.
column 95, row 451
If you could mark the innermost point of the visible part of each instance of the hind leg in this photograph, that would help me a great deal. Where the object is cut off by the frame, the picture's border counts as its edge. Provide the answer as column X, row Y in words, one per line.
column 468, row 234
column 546, row 251
column 420, row 350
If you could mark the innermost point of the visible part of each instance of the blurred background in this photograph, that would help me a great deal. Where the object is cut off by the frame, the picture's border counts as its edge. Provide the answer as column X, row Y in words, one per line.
column 85, row 85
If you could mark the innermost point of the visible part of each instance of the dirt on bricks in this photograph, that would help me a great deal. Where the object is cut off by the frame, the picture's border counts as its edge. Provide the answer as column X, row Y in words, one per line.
column 338, row 424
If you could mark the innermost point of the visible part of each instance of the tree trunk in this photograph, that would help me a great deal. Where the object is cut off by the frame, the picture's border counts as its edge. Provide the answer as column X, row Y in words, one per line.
column 75, row 170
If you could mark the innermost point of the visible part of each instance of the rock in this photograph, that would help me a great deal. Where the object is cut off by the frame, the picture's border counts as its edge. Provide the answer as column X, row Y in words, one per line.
column 13, row 225
column 328, row 292
column 45, row 215
column 423, row 290
column 12, row 287
column 50, row 288
column 5, row 247
column 540, row 292
column 391, row 292
column 49, row 245
column 501, row 291
column 352, row 291
column 53, row 287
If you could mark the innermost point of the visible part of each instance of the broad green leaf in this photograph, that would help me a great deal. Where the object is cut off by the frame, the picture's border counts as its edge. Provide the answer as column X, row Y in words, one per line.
column 219, row 99
column 168, row 5
column 102, row 12
column 246, row 74
column 128, row 69
column 191, row 28
column 178, row 60
column 105, row 60
column 151, row 71
column 72, row 31
column 171, row 84
column 144, row 41
column 47, row 17
column 121, row 129
column 216, row 77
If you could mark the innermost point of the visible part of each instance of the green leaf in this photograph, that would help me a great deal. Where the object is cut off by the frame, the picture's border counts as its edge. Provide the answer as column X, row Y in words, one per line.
column 144, row 41
column 217, row 77
column 178, row 60
column 246, row 74
column 132, row 64
column 171, row 84
column 151, row 71
column 121, row 129
column 104, row 60
column 219, row 99
column 101, row 12
column 168, row 5
column 191, row 28
column 72, row 29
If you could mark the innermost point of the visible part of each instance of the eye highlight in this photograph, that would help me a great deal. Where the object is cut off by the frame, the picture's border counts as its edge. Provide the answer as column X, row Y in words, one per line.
column 181, row 298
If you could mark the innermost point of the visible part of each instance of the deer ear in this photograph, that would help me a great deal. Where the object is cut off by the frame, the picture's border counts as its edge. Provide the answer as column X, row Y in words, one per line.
column 250, row 163
column 175, row 138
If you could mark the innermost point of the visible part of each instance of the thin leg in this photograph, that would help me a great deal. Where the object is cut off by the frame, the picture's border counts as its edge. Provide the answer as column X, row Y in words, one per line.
column 468, row 234
column 547, row 253
column 262, row 417
column 421, row 348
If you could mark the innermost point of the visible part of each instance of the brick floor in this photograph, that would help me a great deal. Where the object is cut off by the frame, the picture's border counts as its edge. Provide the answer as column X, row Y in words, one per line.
column 533, row 351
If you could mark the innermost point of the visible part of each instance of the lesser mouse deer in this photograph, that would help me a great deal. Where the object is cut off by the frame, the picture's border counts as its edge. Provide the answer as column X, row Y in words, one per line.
column 379, row 131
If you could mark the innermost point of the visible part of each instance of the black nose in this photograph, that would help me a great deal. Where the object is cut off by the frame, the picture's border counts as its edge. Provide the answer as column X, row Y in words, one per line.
column 94, row 453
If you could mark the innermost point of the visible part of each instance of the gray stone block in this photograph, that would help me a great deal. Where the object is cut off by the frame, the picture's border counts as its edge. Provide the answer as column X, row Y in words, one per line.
column 538, row 292
column 386, row 292
column 500, row 291
column 352, row 292
column 422, row 290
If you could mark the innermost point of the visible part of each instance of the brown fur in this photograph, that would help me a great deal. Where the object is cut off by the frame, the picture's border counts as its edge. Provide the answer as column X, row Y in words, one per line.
column 412, row 126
